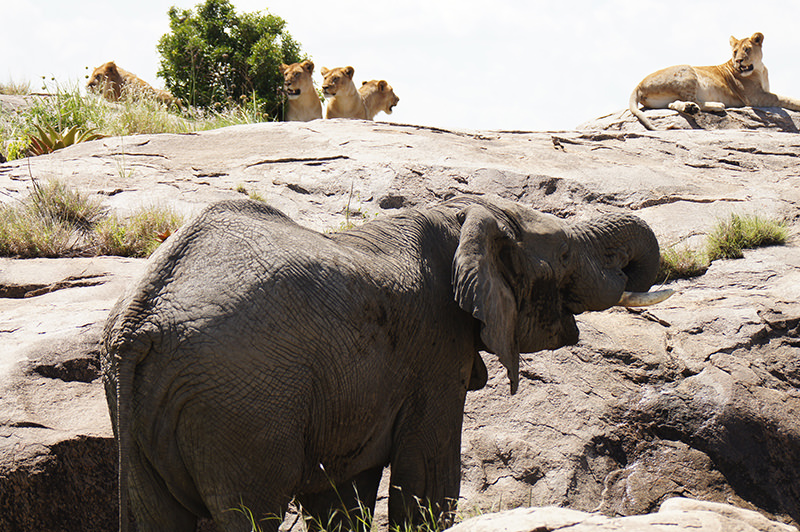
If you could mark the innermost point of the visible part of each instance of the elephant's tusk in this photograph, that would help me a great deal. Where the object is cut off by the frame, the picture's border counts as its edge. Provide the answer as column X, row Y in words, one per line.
column 643, row 299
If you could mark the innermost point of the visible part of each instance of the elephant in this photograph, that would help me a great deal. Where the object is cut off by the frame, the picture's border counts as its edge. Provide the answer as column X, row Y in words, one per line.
column 257, row 361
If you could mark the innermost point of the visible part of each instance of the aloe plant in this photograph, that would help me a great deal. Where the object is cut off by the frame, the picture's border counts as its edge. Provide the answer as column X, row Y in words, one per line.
column 50, row 140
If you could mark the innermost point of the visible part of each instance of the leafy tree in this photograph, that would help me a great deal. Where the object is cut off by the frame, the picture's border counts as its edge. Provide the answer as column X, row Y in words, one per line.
column 214, row 56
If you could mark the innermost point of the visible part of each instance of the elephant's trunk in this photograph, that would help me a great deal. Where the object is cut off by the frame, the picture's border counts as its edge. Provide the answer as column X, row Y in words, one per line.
column 619, row 254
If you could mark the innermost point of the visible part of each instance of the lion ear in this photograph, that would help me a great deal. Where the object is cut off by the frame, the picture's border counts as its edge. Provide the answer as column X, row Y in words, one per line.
column 480, row 285
column 382, row 84
column 308, row 65
column 734, row 41
column 350, row 71
column 324, row 71
column 757, row 38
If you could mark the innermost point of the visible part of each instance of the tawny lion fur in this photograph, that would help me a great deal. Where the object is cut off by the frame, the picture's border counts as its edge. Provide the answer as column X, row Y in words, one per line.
column 114, row 83
column 741, row 81
column 303, row 102
column 344, row 101
column 378, row 96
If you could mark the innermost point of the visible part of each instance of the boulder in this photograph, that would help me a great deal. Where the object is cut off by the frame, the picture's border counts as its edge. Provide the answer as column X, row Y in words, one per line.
column 696, row 397
column 674, row 514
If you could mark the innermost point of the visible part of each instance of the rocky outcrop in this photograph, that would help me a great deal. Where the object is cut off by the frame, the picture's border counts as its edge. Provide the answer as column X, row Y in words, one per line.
column 774, row 118
column 696, row 397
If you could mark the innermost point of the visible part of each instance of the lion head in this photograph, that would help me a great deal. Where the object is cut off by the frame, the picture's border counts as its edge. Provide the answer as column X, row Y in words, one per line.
column 336, row 79
column 107, row 80
column 747, row 53
column 297, row 78
column 378, row 96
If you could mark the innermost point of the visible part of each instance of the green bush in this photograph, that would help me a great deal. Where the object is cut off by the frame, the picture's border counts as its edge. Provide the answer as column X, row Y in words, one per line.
column 214, row 56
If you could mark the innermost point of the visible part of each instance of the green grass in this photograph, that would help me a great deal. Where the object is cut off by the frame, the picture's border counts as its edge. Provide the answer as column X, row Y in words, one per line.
column 56, row 220
column 682, row 263
column 727, row 240
column 25, row 235
column 732, row 236
column 138, row 235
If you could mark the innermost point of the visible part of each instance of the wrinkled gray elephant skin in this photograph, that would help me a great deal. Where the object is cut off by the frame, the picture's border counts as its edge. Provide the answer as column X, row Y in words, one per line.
column 257, row 360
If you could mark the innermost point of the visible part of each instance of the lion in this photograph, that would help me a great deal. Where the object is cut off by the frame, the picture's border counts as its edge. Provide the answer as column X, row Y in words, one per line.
column 344, row 101
column 115, row 83
column 741, row 81
column 303, row 102
column 378, row 96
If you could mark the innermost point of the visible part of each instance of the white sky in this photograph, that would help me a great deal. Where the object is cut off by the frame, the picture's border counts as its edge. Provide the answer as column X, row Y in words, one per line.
column 475, row 64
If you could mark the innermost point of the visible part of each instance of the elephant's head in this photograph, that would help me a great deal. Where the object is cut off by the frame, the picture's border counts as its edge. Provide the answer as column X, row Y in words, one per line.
column 525, row 274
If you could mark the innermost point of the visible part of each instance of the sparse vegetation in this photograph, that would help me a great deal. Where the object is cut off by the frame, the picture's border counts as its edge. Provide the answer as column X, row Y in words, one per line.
column 136, row 236
column 682, row 263
column 730, row 237
column 58, row 221
column 26, row 235
column 66, row 109
column 339, row 521
column 727, row 240
column 255, row 196
column 17, row 89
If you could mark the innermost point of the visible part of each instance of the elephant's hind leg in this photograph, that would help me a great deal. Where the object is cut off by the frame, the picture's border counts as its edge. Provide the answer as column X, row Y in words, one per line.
column 153, row 504
column 348, row 506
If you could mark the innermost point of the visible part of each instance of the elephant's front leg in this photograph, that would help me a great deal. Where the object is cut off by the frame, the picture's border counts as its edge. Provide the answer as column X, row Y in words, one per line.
column 426, row 470
column 347, row 506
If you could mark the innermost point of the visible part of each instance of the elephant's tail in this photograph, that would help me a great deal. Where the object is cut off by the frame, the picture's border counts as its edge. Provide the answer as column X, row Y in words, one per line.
column 124, row 351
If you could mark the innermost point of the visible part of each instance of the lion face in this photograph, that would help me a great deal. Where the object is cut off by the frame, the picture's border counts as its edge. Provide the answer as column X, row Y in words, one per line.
column 747, row 53
column 379, row 95
column 297, row 78
column 336, row 79
column 107, row 80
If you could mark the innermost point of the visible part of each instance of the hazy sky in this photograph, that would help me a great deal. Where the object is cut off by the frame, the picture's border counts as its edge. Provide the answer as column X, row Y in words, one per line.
column 471, row 64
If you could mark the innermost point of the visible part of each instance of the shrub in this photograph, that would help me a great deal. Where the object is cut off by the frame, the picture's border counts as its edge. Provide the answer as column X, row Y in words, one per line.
column 214, row 56
column 49, row 140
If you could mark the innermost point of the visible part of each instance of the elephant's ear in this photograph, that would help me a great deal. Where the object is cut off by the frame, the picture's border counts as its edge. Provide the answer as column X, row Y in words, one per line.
column 480, row 285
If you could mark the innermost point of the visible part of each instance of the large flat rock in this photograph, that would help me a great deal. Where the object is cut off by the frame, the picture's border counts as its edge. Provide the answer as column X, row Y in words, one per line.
column 695, row 397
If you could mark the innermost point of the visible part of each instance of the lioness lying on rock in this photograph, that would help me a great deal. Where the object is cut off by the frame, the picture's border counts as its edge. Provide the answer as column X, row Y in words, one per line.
column 114, row 83
column 344, row 101
column 741, row 81
column 378, row 96
column 303, row 102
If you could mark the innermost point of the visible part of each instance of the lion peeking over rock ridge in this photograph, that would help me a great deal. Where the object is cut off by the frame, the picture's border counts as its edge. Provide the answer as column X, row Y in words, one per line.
column 344, row 100
column 378, row 96
column 303, row 102
column 740, row 82
column 114, row 83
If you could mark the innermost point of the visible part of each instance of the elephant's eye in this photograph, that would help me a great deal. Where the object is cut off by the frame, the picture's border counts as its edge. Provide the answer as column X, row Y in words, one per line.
column 564, row 254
